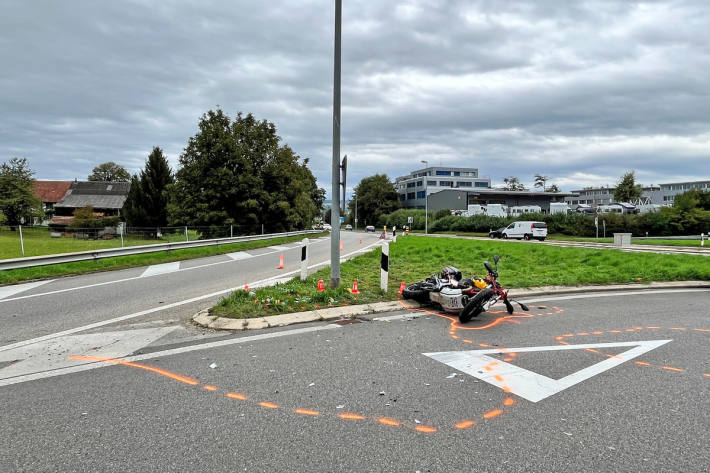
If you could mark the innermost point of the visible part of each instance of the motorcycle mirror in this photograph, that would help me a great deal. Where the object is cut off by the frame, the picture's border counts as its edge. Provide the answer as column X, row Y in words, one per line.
column 488, row 266
column 496, row 258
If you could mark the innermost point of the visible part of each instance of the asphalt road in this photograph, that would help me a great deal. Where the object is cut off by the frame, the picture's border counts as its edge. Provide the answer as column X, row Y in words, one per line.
column 374, row 395
column 45, row 308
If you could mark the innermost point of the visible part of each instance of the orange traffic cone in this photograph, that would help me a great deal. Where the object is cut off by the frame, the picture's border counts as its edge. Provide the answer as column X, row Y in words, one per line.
column 401, row 287
column 321, row 286
column 281, row 262
column 361, row 240
column 355, row 291
column 341, row 245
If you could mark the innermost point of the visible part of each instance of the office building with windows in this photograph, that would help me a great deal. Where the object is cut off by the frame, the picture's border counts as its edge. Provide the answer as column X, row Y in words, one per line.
column 661, row 194
column 413, row 188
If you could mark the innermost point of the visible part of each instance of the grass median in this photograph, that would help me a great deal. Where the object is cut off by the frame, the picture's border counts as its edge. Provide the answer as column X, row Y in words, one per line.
column 12, row 276
column 413, row 259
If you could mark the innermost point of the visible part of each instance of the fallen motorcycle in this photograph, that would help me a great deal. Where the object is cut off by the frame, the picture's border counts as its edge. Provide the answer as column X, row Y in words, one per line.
column 463, row 296
column 486, row 297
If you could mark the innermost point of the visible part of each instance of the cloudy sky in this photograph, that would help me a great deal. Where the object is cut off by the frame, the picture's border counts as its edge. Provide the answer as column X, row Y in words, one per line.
column 580, row 91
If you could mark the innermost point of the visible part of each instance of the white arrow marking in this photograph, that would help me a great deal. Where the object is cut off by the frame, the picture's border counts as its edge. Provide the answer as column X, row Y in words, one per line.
column 528, row 384
column 161, row 269
column 7, row 291
column 54, row 354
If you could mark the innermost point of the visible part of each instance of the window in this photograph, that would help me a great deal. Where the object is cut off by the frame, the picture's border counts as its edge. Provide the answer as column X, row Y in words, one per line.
column 482, row 184
column 410, row 195
column 402, row 196
column 410, row 184
column 465, row 184
column 446, row 183
column 443, row 173
column 457, row 173
column 420, row 183
column 421, row 194
column 430, row 183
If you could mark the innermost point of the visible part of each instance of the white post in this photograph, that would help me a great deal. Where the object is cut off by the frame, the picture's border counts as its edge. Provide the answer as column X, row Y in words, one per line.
column 231, row 231
column 384, row 266
column 187, row 238
column 702, row 239
column 120, row 230
column 22, row 242
column 304, row 259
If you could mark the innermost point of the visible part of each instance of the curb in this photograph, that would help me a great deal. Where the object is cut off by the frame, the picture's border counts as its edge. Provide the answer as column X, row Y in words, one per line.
column 204, row 319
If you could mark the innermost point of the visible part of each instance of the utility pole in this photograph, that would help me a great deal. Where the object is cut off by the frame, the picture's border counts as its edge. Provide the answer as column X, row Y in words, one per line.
column 335, row 197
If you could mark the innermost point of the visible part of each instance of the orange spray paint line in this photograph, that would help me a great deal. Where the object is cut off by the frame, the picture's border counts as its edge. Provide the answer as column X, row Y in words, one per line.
column 168, row 374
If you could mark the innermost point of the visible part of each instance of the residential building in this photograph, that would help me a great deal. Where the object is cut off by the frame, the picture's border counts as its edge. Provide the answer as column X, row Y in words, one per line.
column 49, row 192
column 107, row 198
column 413, row 188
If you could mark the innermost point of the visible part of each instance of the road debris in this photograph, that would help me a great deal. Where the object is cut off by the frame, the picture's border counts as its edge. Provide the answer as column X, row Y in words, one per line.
column 213, row 365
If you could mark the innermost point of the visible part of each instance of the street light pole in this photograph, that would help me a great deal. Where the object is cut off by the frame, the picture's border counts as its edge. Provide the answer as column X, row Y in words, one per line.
column 355, row 211
column 426, row 200
column 335, row 197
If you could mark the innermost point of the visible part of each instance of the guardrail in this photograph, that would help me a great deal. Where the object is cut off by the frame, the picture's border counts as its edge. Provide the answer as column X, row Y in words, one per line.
column 93, row 255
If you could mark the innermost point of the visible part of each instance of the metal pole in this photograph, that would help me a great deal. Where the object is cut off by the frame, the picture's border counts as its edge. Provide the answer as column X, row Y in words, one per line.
column 335, row 197
column 231, row 231
column 262, row 228
column 187, row 238
column 120, row 231
column 355, row 211
column 22, row 242
column 426, row 200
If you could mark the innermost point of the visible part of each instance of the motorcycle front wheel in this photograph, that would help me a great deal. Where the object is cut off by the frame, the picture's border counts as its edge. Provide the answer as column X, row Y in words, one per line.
column 419, row 291
column 475, row 305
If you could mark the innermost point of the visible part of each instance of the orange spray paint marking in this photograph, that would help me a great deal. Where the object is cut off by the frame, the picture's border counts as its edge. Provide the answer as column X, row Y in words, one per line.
column 467, row 341
column 269, row 405
column 642, row 363
column 307, row 412
column 597, row 332
column 351, row 416
column 489, row 366
column 509, row 401
column 386, row 421
column 583, row 333
column 241, row 397
column 506, row 390
column 564, row 343
column 614, row 331
column 210, row 387
column 454, row 337
column 653, row 327
column 630, row 330
column 498, row 378
column 484, row 345
column 425, row 429
column 702, row 329
column 492, row 414
column 677, row 328
column 670, row 368
column 592, row 350
column 613, row 356
column 507, row 359
column 568, row 335
column 513, row 354
column 707, row 375
column 176, row 377
column 465, row 424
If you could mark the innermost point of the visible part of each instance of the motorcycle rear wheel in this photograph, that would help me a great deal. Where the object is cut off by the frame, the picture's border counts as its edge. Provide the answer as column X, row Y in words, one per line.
column 418, row 291
column 475, row 305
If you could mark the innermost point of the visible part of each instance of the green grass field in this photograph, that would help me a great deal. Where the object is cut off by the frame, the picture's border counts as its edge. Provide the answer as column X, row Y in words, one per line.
column 635, row 241
column 413, row 259
column 39, row 242
column 13, row 276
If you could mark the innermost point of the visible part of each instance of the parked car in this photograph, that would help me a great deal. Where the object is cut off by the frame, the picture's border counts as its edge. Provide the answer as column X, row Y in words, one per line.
column 370, row 228
column 348, row 227
column 496, row 233
column 327, row 227
column 526, row 230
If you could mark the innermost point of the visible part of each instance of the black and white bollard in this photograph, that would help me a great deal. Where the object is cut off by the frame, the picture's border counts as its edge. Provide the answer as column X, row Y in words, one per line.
column 384, row 266
column 702, row 239
column 304, row 259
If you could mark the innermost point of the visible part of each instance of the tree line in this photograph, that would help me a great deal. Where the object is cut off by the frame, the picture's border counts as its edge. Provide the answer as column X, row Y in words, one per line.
column 232, row 172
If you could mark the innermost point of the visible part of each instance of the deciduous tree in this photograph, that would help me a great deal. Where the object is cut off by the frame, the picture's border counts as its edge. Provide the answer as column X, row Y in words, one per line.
column 626, row 189
column 16, row 198
column 376, row 196
column 109, row 171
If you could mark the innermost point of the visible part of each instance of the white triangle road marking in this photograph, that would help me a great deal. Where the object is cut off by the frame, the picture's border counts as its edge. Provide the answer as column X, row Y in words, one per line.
column 240, row 255
column 530, row 385
column 7, row 291
column 161, row 269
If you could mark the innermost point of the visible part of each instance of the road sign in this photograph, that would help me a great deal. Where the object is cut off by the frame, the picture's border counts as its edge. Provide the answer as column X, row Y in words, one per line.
column 342, row 219
column 410, row 219
column 530, row 385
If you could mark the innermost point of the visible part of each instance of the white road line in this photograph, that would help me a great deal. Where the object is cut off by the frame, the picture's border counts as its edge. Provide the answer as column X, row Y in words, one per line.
column 83, row 366
column 161, row 269
column 58, row 291
column 154, row 309
column 608, row 294
column 239, row 255
column 8, row 291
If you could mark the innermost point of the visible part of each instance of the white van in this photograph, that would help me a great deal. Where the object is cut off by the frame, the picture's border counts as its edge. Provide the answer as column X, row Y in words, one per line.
column 526, row 230
column 497, row 210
